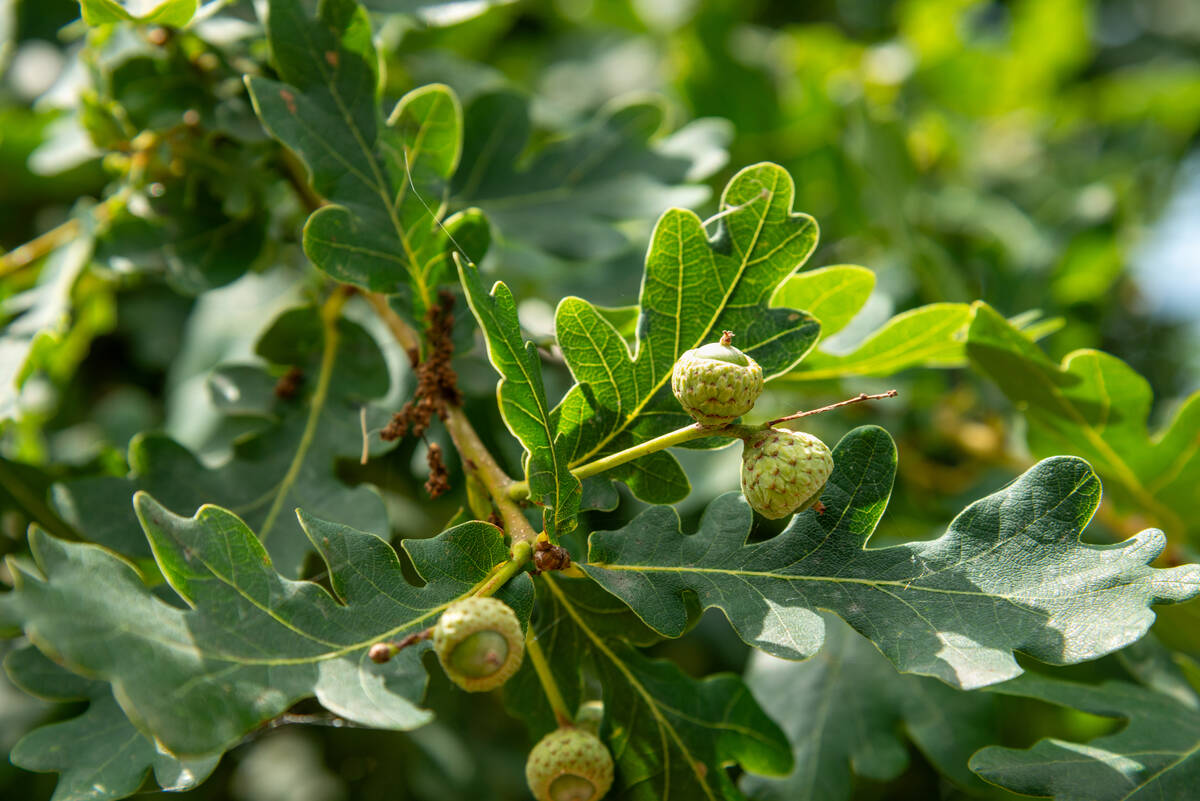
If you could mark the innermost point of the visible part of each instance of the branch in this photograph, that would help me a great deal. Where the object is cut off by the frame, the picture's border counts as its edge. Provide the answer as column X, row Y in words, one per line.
column 891, row 393
column 475, row 456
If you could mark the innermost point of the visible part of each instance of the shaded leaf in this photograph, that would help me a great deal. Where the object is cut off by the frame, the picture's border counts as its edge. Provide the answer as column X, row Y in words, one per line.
column 250, row 642
column 1009, row 574
column 848, row 713
column 99, row 754
column 694, row 287
column 564, row 198
column 378, row 231
column 290, row 462
column 1096, row 406
column 1156, row 755
column 523, row 401
column 671, row 736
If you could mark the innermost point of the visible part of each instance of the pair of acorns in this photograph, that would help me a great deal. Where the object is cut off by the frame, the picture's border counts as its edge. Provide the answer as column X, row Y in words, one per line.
column 480, row 645
column 783, row 471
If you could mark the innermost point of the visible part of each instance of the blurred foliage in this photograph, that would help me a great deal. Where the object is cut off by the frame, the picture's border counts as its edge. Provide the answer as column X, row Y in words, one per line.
column 1037, row 155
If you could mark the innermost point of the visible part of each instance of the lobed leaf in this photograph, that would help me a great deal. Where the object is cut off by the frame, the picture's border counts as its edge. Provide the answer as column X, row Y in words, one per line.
column 1096, row 406
column 671, row 736
column 98, row 754
column 1153, row 756
column 849, row 713
column 250, row 642
column 290, row 461
column 523, row 403
column 377, row 231
column 693, row 288
column 1009, row 574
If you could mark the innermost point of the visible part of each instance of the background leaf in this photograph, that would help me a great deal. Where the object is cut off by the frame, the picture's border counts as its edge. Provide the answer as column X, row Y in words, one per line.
column 250, row 642
column 99, row 754
column 289, row 460
column 1152, row 756
column 1009, row 574
column 176, row 13
column 378, row 233
column 1096, row 406
column 848, row 712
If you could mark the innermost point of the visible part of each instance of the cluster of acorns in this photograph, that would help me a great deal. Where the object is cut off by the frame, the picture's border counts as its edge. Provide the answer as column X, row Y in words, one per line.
column 479, row 640
column 783, row 471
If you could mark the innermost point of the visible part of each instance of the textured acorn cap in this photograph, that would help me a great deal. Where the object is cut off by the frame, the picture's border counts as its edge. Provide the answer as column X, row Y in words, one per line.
column 716, row 383
column 784, row 471
column 569, row 765
column 479, row 643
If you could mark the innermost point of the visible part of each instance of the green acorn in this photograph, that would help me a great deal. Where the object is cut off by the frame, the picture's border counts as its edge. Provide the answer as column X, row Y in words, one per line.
column 784, row 471
column 479, row 643
column 716, row 383
column 569, row 764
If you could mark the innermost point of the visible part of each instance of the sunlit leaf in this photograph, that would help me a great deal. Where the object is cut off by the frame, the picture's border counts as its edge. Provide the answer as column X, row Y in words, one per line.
column 249, row 642
column 1097, row 407
column 1009, row 574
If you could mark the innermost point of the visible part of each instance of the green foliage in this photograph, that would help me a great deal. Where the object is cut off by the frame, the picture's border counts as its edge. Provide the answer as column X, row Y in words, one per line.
column 252, row 642
column 1006, row 596
column 1151, row 757
column 1095, row 406
column 243, row 468
column 847, row 712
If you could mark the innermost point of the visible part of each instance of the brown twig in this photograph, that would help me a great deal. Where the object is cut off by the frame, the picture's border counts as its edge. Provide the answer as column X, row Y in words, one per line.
column 891, row 393
column 383, row 651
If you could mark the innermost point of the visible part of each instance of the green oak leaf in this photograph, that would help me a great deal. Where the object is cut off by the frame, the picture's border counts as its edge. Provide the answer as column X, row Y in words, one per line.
column 289, row 461
column 848, row 712
column 176, row 13
column 927, row 336
column 1155, row 755
column 1009, row 574
column 386, row 183
column 564, row 198
column 1095, row 406
column 693, row 288
column 671, row 736
column 523, row 404
column 98, row 754
column 250, row 642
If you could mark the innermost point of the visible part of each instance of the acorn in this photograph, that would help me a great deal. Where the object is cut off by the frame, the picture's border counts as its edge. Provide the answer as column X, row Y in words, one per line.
column 479, row 643
column 716, row 383
column 569, row 764
column 784, row 472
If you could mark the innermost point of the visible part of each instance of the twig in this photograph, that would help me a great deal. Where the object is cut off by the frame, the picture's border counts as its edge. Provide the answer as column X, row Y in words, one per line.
column 366, row 442
column 891, row 393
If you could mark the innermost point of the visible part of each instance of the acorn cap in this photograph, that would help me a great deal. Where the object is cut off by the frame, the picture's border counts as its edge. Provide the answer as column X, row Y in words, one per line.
column 569, row 764
column 784, row 471
column 479, row 643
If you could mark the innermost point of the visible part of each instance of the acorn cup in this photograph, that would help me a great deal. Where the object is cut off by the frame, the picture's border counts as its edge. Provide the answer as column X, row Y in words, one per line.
column 569, row 764
column 716, row 383
column 479, row 643
column 784, row 472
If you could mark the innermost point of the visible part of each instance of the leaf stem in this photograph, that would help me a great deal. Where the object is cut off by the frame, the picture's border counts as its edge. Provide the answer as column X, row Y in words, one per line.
column 522, row 552
column 520, row 489
column 537, row 658
column 475, row 456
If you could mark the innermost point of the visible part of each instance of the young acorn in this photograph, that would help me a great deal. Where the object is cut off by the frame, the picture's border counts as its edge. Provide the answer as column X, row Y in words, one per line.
column 716, row 383
column 784, row 471
column 569, row 764
column 479, row 643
